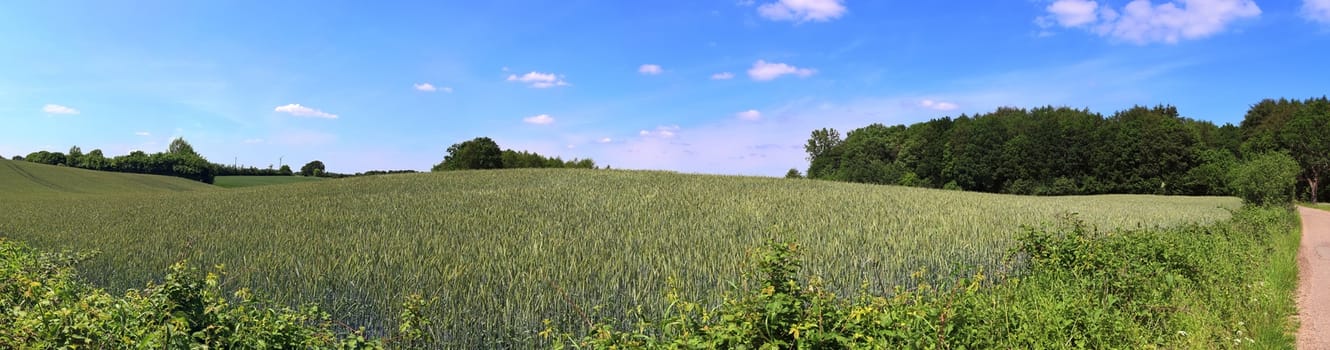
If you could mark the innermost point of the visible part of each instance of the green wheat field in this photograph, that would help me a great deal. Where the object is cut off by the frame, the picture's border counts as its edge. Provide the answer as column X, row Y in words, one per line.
column 504, row 250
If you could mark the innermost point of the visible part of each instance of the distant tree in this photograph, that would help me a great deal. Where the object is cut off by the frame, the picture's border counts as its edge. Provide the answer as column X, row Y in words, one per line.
column 44, row 157
column 96, row 161
column 75, row 157
column 285, row 170
column 823, row 153
column 793, row 174
column 479, row 153
column 181, row 147
column 314, row 168
column 17, row 157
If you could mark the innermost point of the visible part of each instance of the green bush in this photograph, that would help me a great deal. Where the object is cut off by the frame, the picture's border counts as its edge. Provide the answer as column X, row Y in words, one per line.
column 1266, row 179
column 47, row 307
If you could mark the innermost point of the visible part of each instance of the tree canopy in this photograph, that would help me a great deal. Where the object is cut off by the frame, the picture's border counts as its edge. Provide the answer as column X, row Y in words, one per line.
column 313, row 168
column 484, row 153
column 1059, row 150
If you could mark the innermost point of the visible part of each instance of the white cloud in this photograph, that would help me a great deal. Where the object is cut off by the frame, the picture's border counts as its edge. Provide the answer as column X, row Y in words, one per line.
column 661, row 132
column 938, row 105
column 143, row 133
column 1073, row 13
column 252, row 141
column 543, row 119
column 605, row 140
column 427, row 87
column 802, row 10
column 58, row 109
column 1143, row 21
column 1316, row 10
column 539, row 80
column 765, row 71
column 650, row 69
column 750, row 115
column 722, row 76
column 446, row 89
column 296, row 109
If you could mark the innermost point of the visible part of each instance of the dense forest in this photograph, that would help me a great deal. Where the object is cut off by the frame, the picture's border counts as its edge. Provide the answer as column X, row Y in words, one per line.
column 1062, row 151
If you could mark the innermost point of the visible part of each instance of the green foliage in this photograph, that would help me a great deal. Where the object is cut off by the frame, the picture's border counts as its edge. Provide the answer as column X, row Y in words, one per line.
column 1226, row 285
column 793, row 174
column 47, row 307
column 44, row 157
column 180, row 160
column 313, row 169
column 1041, row 151
column 285, row 170
column 1266, row 179
column 483, row 153
column 504, row 250
column 478, row 153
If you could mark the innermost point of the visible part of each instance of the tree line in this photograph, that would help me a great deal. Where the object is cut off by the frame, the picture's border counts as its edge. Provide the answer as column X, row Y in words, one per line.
column 181, row 160
column 484, row 153
column 178, row 160
column 1064, row 151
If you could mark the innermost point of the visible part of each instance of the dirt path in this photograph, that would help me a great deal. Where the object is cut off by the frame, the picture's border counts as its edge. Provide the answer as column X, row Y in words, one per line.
column 1314, row 280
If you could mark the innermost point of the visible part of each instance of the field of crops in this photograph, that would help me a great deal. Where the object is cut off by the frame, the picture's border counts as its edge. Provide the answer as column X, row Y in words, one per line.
column 250, row 181
column 506, row 249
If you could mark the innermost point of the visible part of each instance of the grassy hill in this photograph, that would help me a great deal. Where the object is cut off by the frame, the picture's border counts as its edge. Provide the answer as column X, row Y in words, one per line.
column 250, row 181
column 23, row 178
column 504, row 250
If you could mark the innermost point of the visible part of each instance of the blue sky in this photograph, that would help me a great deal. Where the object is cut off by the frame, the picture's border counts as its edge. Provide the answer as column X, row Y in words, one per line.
column 723, row 86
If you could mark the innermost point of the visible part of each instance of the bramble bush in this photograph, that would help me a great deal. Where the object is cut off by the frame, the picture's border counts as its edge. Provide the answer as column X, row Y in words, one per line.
column 45, row 307
column 1224, row 285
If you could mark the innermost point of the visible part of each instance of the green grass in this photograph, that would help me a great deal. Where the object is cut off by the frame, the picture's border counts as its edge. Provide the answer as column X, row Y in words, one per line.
column 1321, row 206
column 506, row 249
column 250, row 181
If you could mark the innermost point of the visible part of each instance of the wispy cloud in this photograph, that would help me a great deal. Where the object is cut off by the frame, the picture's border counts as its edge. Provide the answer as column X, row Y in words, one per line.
column 296, row 109
column 722, row 76
column 1144, row 22
column 539, row 80
column 427, row 87
column 802, row 10
column 938, row 105
column 605, row 140
column 661, row 132
column 650, row 69
column 1316, row 10
column 749, row 115
column 767, row 71
column 143, row 133
column 252, row 141
column 543, row 119
column 58, row 109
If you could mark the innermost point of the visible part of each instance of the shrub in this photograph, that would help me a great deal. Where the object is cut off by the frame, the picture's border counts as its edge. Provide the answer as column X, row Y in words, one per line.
column 1266, row 179
column 47, row 307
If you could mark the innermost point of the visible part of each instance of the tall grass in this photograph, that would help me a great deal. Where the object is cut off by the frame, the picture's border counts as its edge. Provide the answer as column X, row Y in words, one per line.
column 504, row 250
